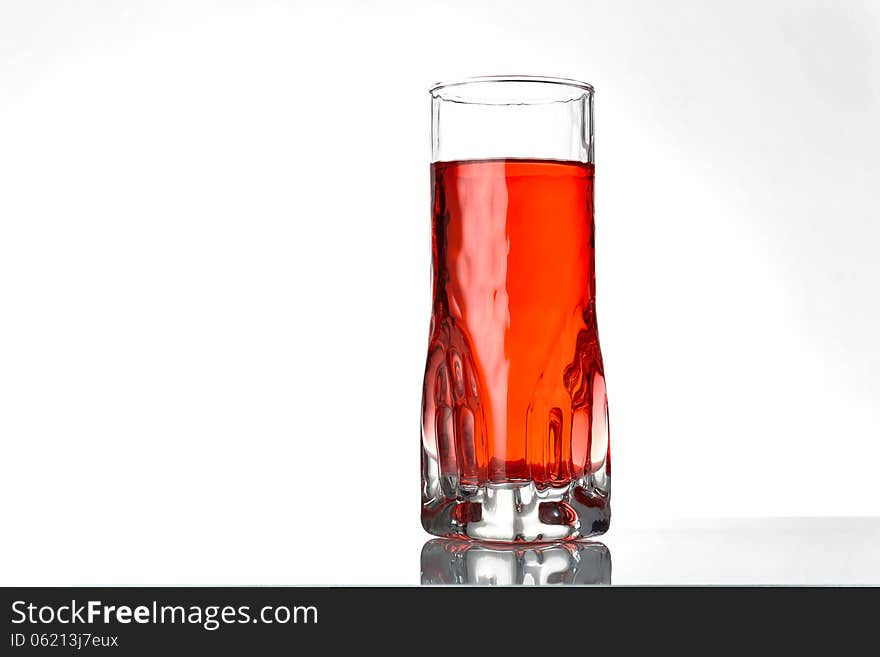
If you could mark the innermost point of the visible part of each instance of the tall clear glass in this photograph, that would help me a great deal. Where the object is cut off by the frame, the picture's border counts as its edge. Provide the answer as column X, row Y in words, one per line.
column 514, row 413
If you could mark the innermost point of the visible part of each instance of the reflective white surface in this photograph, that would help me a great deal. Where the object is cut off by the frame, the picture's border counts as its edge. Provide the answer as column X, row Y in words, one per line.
column 731, row 552
column 787, row 551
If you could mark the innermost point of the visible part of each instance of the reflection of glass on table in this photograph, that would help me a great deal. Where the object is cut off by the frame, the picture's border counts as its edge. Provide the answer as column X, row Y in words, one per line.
column 447, row 561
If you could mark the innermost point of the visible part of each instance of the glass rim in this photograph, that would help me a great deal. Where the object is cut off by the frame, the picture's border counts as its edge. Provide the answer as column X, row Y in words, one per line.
column 439, row 90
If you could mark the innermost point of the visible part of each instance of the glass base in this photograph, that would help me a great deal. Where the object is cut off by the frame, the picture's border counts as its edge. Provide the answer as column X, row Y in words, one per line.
column 520, row 512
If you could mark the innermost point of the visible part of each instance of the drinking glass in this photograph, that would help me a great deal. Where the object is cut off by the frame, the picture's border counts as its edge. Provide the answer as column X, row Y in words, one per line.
column 514, row 413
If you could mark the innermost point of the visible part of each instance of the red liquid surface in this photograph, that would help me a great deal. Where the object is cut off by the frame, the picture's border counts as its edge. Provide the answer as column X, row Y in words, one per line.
column 514, row 384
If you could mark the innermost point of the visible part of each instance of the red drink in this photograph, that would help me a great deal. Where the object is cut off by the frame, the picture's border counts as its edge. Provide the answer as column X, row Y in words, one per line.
column 514, row 385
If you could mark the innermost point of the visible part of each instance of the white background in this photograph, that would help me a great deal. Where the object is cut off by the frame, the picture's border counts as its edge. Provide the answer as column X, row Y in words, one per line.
column 214, row 271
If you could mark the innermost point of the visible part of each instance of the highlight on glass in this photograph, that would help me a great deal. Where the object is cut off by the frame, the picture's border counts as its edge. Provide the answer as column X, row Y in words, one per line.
column 515, row 443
